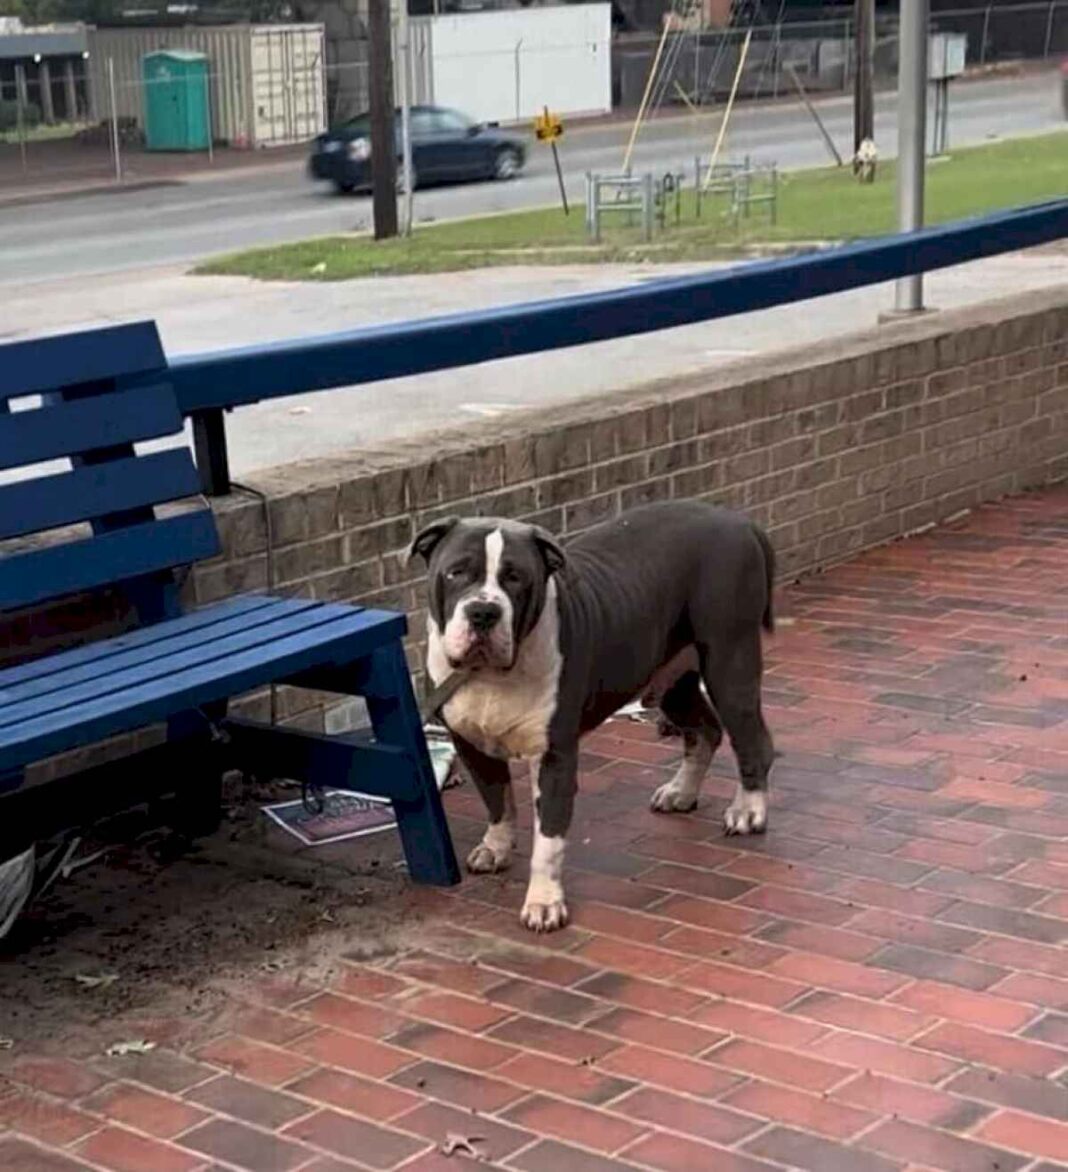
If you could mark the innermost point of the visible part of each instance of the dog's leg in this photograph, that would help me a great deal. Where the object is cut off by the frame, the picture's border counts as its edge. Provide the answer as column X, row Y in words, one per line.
column 685, row 707
column 494, row 783
column 733, row 682
column 554, row 779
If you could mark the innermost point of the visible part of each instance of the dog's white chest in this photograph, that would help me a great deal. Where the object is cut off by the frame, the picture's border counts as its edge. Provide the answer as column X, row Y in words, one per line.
column 507, row 713
column 503, row 717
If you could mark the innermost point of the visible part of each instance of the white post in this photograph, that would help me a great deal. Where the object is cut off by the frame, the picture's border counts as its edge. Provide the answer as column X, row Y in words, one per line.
column 404, row 77
column 911, row 138
column 114, row 120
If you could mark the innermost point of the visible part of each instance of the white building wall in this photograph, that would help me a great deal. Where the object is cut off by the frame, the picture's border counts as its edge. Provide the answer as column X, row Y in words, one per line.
column 505, row 66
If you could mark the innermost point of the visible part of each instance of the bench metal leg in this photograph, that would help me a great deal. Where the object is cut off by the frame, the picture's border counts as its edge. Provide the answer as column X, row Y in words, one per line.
column 197, row 802
column 395, row 719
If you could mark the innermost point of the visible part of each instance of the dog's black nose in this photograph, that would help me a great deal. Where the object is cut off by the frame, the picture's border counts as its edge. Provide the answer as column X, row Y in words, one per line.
column 483, row 616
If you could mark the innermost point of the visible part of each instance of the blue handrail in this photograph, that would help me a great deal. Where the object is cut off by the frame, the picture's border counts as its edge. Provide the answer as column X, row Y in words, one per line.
column 209, row 384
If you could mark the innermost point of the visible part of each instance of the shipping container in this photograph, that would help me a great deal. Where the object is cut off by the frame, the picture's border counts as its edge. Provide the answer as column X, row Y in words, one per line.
column 267, row 82
column 507, row 65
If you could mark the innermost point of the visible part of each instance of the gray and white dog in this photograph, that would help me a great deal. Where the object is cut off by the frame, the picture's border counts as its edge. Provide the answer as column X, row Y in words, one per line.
column 556, row 640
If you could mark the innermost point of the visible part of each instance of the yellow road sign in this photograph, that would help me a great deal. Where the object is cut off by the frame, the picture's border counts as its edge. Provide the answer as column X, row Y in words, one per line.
column 548, row 127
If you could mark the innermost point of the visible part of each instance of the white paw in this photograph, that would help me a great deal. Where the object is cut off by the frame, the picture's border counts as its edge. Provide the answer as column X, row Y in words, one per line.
column 673, row 798
column 747, row 813
column 485, row 859
column 544, row 917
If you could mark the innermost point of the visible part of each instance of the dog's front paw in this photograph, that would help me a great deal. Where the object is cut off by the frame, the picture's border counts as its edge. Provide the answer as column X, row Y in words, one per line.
column 486, row 860
column 544, row 909
column 544, row 917
column 747, row 813
column 673, row 798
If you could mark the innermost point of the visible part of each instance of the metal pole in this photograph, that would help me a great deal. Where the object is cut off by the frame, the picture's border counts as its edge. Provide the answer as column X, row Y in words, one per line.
column 114, row 120
column 518, row 106
column 986, row 30
column 863, row 100
column 647, row 206
column 828, row 141
column 207, row 114
column 911, row 138
column 1049, row 28
column 20, row 121
column 405, row 80
column 729, row 107
column 645, row 98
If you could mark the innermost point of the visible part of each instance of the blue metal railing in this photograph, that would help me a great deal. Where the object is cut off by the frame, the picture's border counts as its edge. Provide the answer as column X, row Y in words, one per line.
column 209, row 384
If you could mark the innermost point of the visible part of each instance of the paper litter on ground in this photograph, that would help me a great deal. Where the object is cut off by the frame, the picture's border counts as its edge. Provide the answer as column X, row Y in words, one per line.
column 349, row 814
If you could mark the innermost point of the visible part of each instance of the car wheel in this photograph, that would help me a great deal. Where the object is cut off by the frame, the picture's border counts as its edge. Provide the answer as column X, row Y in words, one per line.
column 506, row 165
column 344, row 188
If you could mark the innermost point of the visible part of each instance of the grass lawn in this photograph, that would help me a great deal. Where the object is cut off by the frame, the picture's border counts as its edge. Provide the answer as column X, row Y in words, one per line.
column 820, row 205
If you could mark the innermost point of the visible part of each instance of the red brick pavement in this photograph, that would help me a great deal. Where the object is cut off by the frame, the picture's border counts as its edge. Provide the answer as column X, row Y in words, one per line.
column 880, row 983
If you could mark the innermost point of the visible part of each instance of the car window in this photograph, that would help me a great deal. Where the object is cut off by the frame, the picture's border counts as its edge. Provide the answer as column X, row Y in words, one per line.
column 450, row 122
column 423, row 123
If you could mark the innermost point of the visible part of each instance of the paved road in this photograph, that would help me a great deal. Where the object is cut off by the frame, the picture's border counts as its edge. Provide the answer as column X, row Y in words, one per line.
column 115, row 232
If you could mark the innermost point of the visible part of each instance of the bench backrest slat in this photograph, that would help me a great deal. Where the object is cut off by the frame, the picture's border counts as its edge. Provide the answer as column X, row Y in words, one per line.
column 109, row 354
column 89, row 399
column 95, row 490
column 85, row 425
column 51, row 571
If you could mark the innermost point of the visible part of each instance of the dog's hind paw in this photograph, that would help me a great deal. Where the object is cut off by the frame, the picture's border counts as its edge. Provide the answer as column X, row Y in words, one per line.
column 544, row 917
column 673, row 799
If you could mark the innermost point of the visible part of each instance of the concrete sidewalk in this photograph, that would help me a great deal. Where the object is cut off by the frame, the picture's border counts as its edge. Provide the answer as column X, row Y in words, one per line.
column 878, row 985
column 208, row 313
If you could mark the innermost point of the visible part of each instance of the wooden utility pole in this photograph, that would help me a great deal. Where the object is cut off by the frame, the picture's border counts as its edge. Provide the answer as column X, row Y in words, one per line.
column 383, row 135
column 863, row 94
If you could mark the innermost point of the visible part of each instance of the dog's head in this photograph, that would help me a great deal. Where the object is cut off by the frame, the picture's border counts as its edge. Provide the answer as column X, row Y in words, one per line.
column 488, row 581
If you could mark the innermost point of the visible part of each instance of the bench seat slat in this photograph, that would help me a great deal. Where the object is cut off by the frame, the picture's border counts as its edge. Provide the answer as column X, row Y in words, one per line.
column 342, row 637
column 173, row 656
column 83, row 425
column 47, row 690
column 95, row 490
column 45, row 364
column 37, row 575
column 24, row 674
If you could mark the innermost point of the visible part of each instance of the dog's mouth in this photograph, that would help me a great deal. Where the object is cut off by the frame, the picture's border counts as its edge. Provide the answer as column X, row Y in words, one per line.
column 483, row 653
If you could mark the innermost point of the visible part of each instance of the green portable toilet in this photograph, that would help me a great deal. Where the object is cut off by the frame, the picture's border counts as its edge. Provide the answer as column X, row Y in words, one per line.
column 177, row 116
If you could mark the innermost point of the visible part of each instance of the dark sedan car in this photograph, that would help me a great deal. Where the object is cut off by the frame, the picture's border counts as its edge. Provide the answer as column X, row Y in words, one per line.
column 446, row 147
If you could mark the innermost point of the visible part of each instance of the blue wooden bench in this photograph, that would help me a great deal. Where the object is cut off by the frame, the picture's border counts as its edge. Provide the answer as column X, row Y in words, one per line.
column 112, row 518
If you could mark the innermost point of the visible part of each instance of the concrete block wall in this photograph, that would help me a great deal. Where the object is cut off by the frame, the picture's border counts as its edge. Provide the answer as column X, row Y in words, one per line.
column 834, row 448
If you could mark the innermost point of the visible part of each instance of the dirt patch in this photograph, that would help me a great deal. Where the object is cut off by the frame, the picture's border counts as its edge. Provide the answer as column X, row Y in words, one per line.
column 177, row 925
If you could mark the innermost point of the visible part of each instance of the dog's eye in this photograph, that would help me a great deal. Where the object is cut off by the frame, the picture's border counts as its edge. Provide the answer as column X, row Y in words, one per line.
column 455, row 573
column 510, row 574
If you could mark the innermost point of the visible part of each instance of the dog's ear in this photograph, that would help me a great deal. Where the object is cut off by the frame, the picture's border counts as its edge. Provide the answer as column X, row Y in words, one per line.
column 550, row 549
column 428, row 539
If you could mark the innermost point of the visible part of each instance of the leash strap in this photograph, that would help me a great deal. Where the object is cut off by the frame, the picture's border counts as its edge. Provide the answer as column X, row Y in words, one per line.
column 443, row 693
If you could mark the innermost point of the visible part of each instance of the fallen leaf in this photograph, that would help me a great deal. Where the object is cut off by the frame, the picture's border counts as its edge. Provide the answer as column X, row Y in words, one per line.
column 137, row 1046
column 462, row 1143
column 7, row 1043
column 100, row 982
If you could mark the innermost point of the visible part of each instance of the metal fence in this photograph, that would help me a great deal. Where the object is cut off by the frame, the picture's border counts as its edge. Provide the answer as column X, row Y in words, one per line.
column 698, row 66
column 209, row 385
